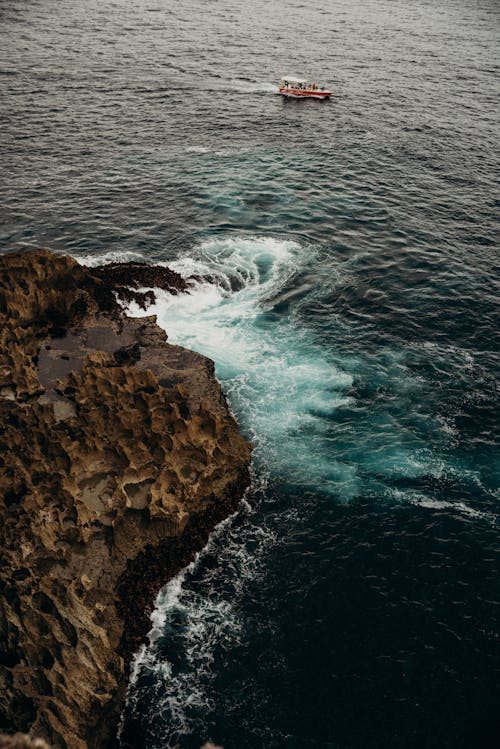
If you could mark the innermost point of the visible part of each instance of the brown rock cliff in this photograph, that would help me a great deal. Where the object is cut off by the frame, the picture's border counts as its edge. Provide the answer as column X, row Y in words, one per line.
column 118, row 455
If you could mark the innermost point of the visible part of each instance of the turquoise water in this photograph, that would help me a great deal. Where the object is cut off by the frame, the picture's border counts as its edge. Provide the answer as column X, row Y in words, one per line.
column 282, row 384
column 348, row 263
column 296, row 399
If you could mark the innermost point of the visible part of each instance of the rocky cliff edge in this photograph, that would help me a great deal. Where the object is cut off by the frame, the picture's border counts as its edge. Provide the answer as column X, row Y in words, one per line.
column 118, row 455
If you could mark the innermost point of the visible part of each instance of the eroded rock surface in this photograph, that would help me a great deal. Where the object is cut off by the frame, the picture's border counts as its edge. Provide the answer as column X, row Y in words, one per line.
column 118, row 455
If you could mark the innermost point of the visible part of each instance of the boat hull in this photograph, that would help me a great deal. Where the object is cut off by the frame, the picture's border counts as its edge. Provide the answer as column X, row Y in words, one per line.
column 295, row 93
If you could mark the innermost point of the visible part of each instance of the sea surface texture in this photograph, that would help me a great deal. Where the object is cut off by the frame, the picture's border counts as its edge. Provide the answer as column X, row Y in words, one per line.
column 348, row 293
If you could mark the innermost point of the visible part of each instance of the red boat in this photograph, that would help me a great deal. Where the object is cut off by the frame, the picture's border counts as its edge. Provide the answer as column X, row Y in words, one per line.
column 299, row 88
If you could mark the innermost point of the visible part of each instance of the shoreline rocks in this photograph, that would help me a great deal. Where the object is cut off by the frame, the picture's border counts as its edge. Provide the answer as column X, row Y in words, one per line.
column 118, row 456
column 126, row 279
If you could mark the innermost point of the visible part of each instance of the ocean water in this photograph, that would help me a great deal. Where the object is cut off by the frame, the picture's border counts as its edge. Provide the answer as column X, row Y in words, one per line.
column 349, row 295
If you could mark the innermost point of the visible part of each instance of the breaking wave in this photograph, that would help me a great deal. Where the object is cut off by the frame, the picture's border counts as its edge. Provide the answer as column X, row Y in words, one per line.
column 244, row 311
column 283, row 389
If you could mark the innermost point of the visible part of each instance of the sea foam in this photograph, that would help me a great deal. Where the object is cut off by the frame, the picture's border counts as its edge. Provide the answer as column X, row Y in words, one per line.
column 279, row 382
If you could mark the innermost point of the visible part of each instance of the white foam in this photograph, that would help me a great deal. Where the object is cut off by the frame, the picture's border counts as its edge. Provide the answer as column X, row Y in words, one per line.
column 278, row 382
column 448, row 350
column 253, row 87
column 200, row 620
column 280, row 385
column 113, row 256
column 430, row 503
column 285, row 392
column 197, row 149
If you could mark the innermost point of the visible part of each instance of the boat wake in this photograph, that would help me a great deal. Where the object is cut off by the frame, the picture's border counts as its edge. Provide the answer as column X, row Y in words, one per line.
column 253, row 87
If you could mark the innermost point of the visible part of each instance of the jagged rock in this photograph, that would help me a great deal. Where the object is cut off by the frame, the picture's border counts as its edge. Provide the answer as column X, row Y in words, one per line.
column 125, row 280
column 118, row 455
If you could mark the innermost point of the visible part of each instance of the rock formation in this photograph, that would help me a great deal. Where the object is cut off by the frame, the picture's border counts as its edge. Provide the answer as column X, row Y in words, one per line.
column 21, row 741
column 118, row 455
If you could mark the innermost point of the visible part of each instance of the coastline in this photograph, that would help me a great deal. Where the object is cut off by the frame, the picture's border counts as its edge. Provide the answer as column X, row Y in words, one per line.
column 120, row 456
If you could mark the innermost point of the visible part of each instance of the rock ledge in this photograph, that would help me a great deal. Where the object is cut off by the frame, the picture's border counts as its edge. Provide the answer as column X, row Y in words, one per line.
column 118, row 455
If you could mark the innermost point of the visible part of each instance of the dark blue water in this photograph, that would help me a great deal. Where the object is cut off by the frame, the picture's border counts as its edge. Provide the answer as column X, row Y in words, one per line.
column 353, row 315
